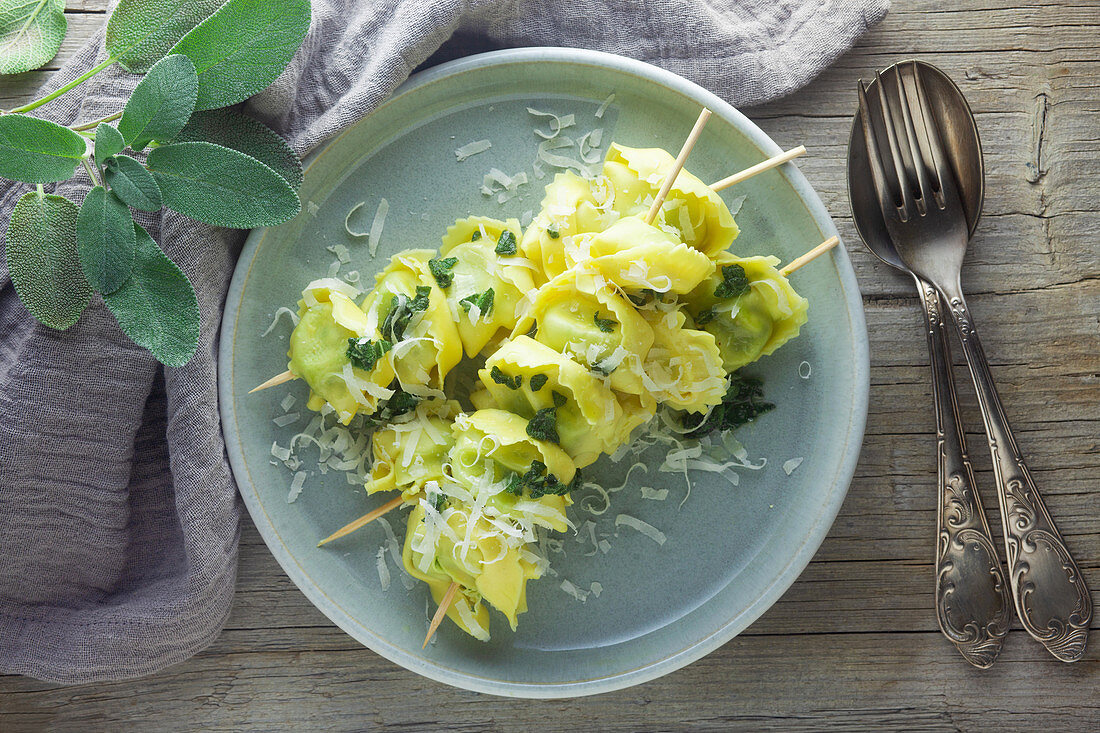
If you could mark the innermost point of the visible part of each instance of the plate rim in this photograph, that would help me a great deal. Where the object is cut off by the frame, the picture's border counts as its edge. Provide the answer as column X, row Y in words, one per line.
column 735, row 624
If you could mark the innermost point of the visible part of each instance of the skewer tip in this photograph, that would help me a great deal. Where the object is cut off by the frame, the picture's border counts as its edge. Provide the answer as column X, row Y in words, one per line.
column 275, row 381
column 670, row 177
column 813, row 254
column 444, row 603
column 363, row 520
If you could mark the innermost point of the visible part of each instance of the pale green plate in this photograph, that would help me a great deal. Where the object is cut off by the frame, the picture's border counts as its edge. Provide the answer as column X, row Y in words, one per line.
column 731, row 551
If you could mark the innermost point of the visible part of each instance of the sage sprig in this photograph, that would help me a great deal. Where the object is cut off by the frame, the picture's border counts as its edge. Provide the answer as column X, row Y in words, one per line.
column 215, row 165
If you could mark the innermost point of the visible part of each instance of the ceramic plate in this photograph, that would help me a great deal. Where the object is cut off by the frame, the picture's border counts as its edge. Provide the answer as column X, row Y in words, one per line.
column 731, row 551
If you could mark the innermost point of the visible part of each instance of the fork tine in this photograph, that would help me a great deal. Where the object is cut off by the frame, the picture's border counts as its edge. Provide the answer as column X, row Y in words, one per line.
column 941, row 169
column 886, row 198
column 920, row 169
column 895, row 150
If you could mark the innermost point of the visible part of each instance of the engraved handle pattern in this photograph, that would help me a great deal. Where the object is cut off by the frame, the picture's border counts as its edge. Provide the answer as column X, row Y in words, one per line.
column 1051, row 598
column 972, row 599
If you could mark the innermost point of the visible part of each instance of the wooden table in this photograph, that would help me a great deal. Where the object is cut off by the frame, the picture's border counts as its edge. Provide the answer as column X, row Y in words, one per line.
column 854, row 643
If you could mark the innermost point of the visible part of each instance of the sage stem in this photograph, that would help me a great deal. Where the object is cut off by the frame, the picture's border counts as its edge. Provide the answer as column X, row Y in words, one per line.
column 71, row 85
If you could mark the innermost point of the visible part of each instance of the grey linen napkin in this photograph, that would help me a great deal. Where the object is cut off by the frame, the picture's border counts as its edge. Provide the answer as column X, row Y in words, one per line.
column 119, row 519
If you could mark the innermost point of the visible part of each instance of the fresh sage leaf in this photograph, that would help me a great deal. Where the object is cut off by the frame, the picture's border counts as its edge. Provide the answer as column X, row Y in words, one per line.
column 133, row 185
column 38, row 151
column 231, row 129
column 157, row 307
column 31, row 31
column 108, row 142
column 42, row 260
column 105, row 240
column 219, row 186
column 142, row 32
column 243, row 47
column 162, row 102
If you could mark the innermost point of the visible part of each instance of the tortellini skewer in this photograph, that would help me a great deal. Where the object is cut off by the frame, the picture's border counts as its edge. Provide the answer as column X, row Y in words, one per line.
column 589, row 320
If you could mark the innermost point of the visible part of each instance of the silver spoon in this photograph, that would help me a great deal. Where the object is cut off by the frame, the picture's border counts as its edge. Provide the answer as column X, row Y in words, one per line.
column 972, row 602
column 926, row 218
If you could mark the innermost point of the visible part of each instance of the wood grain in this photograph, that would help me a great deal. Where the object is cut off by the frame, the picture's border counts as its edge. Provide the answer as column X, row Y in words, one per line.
column 853, row 645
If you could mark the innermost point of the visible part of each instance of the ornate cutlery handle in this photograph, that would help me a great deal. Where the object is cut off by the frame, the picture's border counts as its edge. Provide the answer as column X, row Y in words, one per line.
column 1051, row 598
column 972, row 601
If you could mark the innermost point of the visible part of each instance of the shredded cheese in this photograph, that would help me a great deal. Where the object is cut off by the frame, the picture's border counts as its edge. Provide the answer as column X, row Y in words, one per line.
column 377, row 225
column 604, row 105
column 647, row 529
column 471, row 149
column 279, row 312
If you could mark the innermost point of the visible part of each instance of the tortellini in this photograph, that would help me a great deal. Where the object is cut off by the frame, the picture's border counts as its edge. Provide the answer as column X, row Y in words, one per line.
column 485, row 290
column 760, row 313
column 684, row 366
column 569, row 207
column 453, row 546
column 594, row 323
column 329, row 320
column 411, row 314
column 638, row 256
column 492, row 460
column 533, row 381
column 695, row 210
column 419, row 558
column 630, row 180
column 410, row 453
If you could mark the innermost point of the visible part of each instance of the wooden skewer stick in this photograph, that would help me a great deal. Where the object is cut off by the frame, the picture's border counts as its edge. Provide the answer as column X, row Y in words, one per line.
column 817, row 251
column 275, row 381
column 364, row 520
column 444, row 604
column 767, row 165
column 671, row 177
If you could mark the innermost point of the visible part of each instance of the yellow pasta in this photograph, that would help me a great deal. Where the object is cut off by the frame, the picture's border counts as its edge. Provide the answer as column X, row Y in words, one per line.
column 639, row 256
column 590, row 320
column 410, row 453
column 760, row 313
column 527, row 378
column 329, row 319
column 486, row 289
column 684, row 366
column 701, row 217
column 411, row 313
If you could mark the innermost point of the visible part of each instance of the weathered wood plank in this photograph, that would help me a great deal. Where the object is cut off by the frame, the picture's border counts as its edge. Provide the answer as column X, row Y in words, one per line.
column 813, row 682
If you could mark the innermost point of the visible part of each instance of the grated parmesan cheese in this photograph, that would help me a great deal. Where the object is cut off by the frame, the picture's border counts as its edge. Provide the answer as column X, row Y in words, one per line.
column 471, row 149
column 647, row 529
column 792, row 464
column 604, row 105
column 577, row 593
column 283, row 420
column 804, row 369
column 296, row 486
column 377, row 225
column 557, row 124
column 279, row 312
column 383, row 568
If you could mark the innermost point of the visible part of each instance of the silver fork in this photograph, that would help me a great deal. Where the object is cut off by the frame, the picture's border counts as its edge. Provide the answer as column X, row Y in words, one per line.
column 924, row 215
